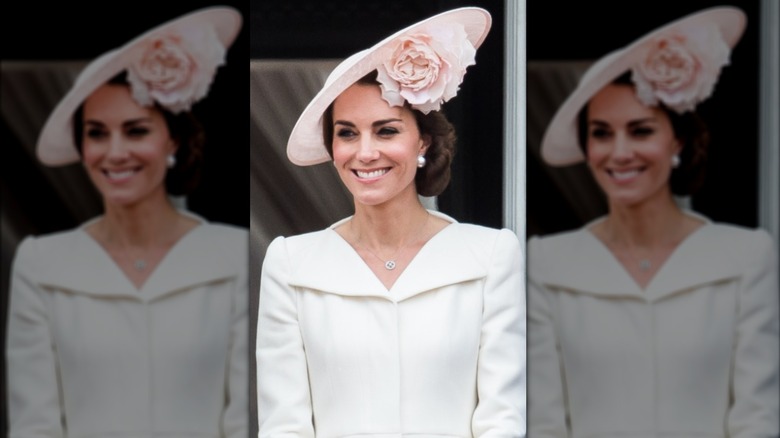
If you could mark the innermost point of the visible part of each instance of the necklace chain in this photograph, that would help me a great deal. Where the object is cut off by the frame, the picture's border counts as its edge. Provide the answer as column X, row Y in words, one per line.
column 390, row 263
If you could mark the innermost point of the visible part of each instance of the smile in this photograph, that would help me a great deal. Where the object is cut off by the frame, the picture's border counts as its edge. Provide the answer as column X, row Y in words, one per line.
column 120, row 175
column 367, row 174
column 624, row 175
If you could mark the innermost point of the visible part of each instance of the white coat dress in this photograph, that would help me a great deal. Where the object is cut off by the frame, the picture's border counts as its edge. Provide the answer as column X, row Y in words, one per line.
column 694, row 354
column 441, row 354
column 90, row 355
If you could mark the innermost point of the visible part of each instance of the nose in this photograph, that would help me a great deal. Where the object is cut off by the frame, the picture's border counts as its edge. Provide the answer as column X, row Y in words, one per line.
column 117, row 149
column 367, row 150
column 621, row 148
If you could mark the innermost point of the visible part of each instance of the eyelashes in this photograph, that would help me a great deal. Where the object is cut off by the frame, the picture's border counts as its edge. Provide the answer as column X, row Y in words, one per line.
column 134, row 132
column 383, row 132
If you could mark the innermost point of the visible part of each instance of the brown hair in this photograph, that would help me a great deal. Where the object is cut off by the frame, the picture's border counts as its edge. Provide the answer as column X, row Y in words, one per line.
column 689, row 129
column 184, row 129
column 433, row 178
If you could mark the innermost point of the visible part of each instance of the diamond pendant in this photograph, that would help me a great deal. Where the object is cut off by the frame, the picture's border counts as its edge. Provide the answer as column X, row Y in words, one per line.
column 390, row 265
column 139, row 265
column 644, row 264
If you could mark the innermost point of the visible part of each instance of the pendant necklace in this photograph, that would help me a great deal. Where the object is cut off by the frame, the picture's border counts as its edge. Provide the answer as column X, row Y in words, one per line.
column 139, row 265
column 390, row 263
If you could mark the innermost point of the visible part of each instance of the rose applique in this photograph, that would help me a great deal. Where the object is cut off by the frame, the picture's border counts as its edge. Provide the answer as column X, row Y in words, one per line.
column 681, row 69
column 176, row 70
column 426, row 68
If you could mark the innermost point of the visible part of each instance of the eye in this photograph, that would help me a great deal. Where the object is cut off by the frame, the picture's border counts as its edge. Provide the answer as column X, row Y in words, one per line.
column 137, row 131
column 345, row 133
column 642, row 131
column 95, row 133
column 387, row 131
column 600, row 133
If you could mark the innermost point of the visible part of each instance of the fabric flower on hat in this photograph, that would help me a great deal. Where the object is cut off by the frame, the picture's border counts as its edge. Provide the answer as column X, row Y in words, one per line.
column 681, row 69
column 426, row 69
column 176, row 69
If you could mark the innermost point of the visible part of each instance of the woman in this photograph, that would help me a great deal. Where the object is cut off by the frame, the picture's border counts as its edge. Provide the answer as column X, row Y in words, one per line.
column 134, row 323
column 652, row 320
column 396, row 320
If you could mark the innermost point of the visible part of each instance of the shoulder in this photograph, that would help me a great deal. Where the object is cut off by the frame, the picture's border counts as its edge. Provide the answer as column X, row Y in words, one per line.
column 483, row 236
column 49, row 247
column 729, row 232
column 741, row 244
column 558, row 243
column 300, row 246
column 485, row 243
column 228, row 234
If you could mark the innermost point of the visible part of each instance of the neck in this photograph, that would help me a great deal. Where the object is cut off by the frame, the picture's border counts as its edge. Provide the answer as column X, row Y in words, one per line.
column 645, row 225
column 144, row 224
column 388, row 225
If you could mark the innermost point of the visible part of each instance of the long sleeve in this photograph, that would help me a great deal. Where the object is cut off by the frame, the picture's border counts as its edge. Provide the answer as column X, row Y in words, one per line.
column 755, row 390
column 547, row 405
column 284, row 399
column 500, row 411
column 34, row 397
column 235, row 420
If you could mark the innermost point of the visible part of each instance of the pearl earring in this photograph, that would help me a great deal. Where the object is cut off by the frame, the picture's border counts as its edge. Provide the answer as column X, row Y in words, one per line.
column 675, row 161
column 421, row 161
column 171, row 160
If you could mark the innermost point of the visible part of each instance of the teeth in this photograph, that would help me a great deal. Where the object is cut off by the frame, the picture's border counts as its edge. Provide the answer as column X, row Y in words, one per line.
column 624, row 175
column 372, row 174
column 120, row 175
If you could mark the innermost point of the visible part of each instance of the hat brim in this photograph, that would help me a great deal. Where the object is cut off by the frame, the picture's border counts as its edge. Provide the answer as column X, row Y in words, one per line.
column 305, row 145
column 55, row 146
column 560, row 146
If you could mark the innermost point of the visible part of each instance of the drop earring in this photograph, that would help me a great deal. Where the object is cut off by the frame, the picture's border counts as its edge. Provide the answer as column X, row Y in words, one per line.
column 421, row 161
column 171, row 161
column 675, row 161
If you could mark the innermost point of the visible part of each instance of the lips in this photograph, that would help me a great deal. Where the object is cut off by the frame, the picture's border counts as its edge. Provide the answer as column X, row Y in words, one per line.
column 625, row 174
column 120, row 175
column 369, row 174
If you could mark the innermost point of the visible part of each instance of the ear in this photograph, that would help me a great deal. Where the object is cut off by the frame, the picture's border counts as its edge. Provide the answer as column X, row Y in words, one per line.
column 173, row 145
column 678, row 146
column 425, row 143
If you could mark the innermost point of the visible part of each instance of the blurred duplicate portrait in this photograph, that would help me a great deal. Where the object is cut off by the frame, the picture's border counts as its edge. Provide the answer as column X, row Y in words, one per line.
column 125, row 241
column 653, row 278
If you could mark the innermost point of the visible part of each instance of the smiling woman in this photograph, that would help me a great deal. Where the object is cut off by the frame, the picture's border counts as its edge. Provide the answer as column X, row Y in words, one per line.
column 397, row 320
column 112, row 322
column 653, row 319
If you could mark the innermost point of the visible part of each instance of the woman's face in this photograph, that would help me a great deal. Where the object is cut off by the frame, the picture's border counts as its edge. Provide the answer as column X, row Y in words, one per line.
column 629, row 146
column 375, row 145
column 124, row 146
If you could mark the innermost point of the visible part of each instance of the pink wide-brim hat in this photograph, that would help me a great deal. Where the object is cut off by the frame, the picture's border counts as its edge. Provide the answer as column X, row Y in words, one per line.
column 305, row 147
column 55, row 146
column 560, row 146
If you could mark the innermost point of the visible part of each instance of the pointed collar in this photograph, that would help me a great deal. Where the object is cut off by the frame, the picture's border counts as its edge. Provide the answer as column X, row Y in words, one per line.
column 591, row 268
column 77, row 263
column 331, row 265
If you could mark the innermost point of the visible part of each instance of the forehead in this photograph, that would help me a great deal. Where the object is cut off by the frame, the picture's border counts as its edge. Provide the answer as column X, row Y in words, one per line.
column 618, row 102
column 114, row 102
column 365, row 102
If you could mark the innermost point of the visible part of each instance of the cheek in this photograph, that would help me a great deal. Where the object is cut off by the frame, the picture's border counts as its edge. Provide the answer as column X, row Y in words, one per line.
column 594, row 153
column 90, row 153
column 340, row 152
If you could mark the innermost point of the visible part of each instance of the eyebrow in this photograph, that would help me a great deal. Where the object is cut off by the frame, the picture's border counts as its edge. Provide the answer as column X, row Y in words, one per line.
column 374, row 124
column 126, row 123
column 631, row 123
